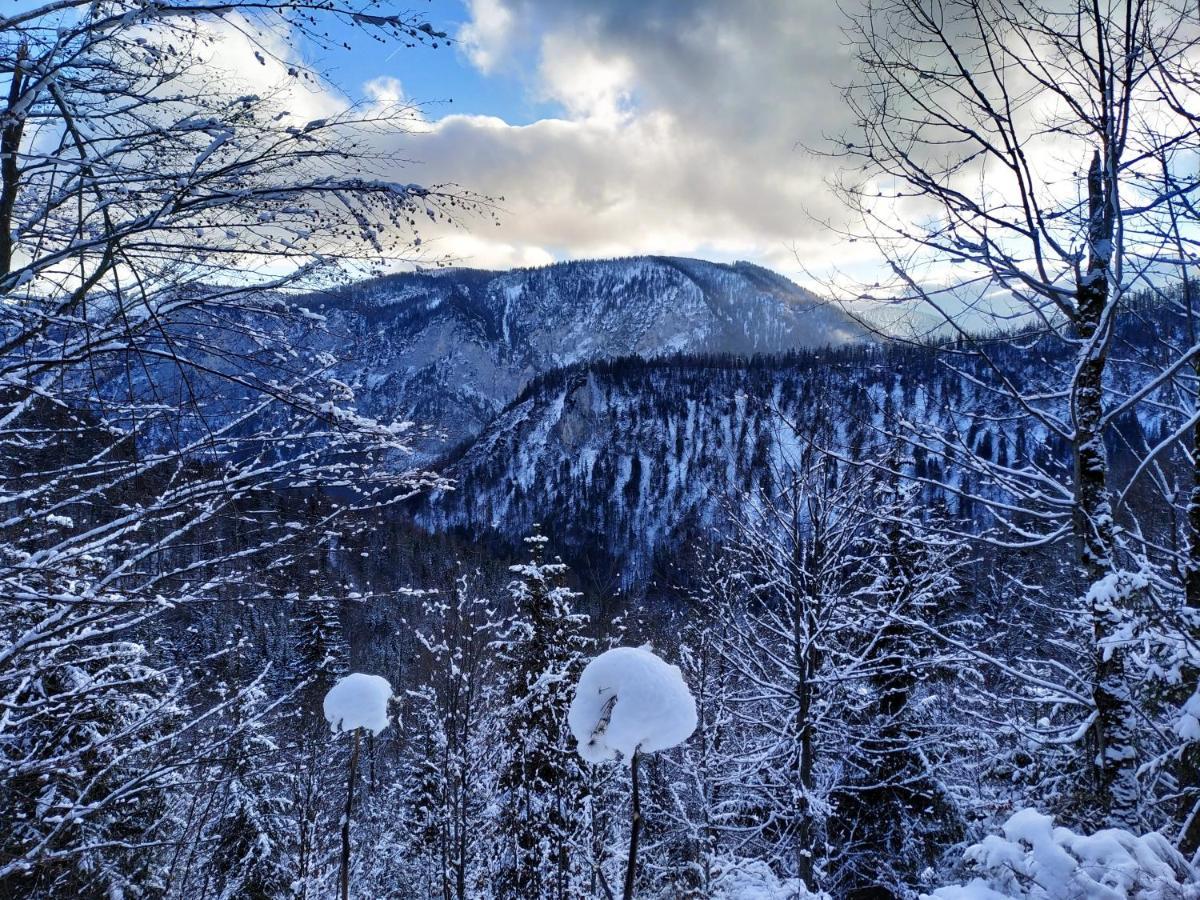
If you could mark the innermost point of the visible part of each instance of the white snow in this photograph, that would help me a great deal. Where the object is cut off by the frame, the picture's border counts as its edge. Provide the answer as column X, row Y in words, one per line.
column 358, row 701
column 753, row 879
column 628, row 699
column 1034, row 860
column 1188, row 726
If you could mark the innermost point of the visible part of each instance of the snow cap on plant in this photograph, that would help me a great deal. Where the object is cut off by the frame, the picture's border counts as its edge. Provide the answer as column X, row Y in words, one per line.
column 628, row 700
column 358, row 701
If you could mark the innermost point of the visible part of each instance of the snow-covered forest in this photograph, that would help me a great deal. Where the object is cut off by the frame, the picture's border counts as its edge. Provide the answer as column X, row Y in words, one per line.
column 332, row 567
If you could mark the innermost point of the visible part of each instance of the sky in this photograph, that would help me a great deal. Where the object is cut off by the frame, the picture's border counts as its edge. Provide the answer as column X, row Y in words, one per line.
column 615, row 127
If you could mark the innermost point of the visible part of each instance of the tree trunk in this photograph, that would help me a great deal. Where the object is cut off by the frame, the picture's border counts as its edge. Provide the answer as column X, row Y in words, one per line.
column 371, row 762
column 1093, row 525
column 1189, row 769
column 10, row 145
column 635, row 828
column 1191, row 582
column 807, row 660
column 804, row 771
column 460, row 840
column 345, row 880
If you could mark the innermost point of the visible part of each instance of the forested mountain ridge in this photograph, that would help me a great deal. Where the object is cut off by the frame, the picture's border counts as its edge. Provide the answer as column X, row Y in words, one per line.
column 451, row 348
column 625, row 460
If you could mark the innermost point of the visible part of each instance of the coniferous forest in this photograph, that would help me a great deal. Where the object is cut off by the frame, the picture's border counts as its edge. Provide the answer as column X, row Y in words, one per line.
column 335, row 563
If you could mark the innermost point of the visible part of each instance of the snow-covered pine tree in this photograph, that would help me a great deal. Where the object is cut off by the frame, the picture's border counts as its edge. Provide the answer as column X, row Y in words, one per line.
column 540, row 784
column 448, row 761
column 253, row 840
column 321, row 652
column 320, row 658
column 424, row 797
column 1181, row 668
column 892, row 815
column 85, row 789
column 1163, row 662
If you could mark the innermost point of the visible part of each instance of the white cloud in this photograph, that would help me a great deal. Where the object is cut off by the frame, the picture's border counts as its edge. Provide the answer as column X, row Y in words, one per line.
column 385, row 90
column 478, row 251
column 679, row 131
column 486, row 37
column 589, row 86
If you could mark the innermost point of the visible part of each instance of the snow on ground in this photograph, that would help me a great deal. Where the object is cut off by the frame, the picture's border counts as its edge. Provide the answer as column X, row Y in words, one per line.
column 1034, row 860
column 628, row 699
column 358, row 701
column 753, row 879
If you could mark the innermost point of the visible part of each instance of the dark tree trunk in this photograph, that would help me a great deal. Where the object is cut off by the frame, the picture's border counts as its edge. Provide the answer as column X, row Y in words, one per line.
column 1191, row 579
column 807, row 661
column 1093, row 523
column 345, row 874
column 805, row 759
column 635, row 828
column 1189, row 769
column 10, row 145
column 460, row 862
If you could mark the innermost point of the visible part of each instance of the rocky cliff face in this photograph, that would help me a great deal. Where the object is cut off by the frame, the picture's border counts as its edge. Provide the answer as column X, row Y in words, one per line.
column 625, row 462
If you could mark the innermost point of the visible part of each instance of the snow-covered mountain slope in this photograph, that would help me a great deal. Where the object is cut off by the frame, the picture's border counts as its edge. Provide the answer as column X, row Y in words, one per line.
column 624, row 462
column 450, row 349
column 631, row 459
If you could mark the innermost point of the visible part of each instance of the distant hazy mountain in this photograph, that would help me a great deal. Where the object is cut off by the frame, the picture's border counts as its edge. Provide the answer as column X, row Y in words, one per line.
column 450, row 349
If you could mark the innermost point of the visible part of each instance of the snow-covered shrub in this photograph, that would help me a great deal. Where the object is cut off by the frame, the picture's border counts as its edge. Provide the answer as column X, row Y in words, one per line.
column 1034, row 860
column 358, row 701
column 630, row 700
column 753, row 879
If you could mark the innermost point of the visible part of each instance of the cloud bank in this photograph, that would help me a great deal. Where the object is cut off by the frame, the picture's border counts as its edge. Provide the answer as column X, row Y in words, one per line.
column 681, row 130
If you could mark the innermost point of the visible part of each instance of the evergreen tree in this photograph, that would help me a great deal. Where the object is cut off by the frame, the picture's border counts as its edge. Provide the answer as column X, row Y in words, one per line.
column 89, row 713
column 321, row 657
column 541, row 784
column 252, row 853
column 447, row 767
column 322, row 654
column 893, row 816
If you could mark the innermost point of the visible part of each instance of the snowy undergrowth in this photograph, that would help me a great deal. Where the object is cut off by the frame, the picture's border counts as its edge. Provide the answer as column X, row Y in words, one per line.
column 1034, row 860
column 752, row 879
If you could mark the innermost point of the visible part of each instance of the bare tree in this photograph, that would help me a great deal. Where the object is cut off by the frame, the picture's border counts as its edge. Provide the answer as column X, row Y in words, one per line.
column 157, row 404
column 1003, row 166
column 786, row 645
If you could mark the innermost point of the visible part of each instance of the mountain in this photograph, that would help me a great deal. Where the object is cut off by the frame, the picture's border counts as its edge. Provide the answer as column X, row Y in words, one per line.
column 450, row 349
column 625, row 462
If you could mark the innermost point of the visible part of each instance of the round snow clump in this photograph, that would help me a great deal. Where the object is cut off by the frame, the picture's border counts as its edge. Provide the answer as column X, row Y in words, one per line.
column 358, row 701
column 628, row 699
